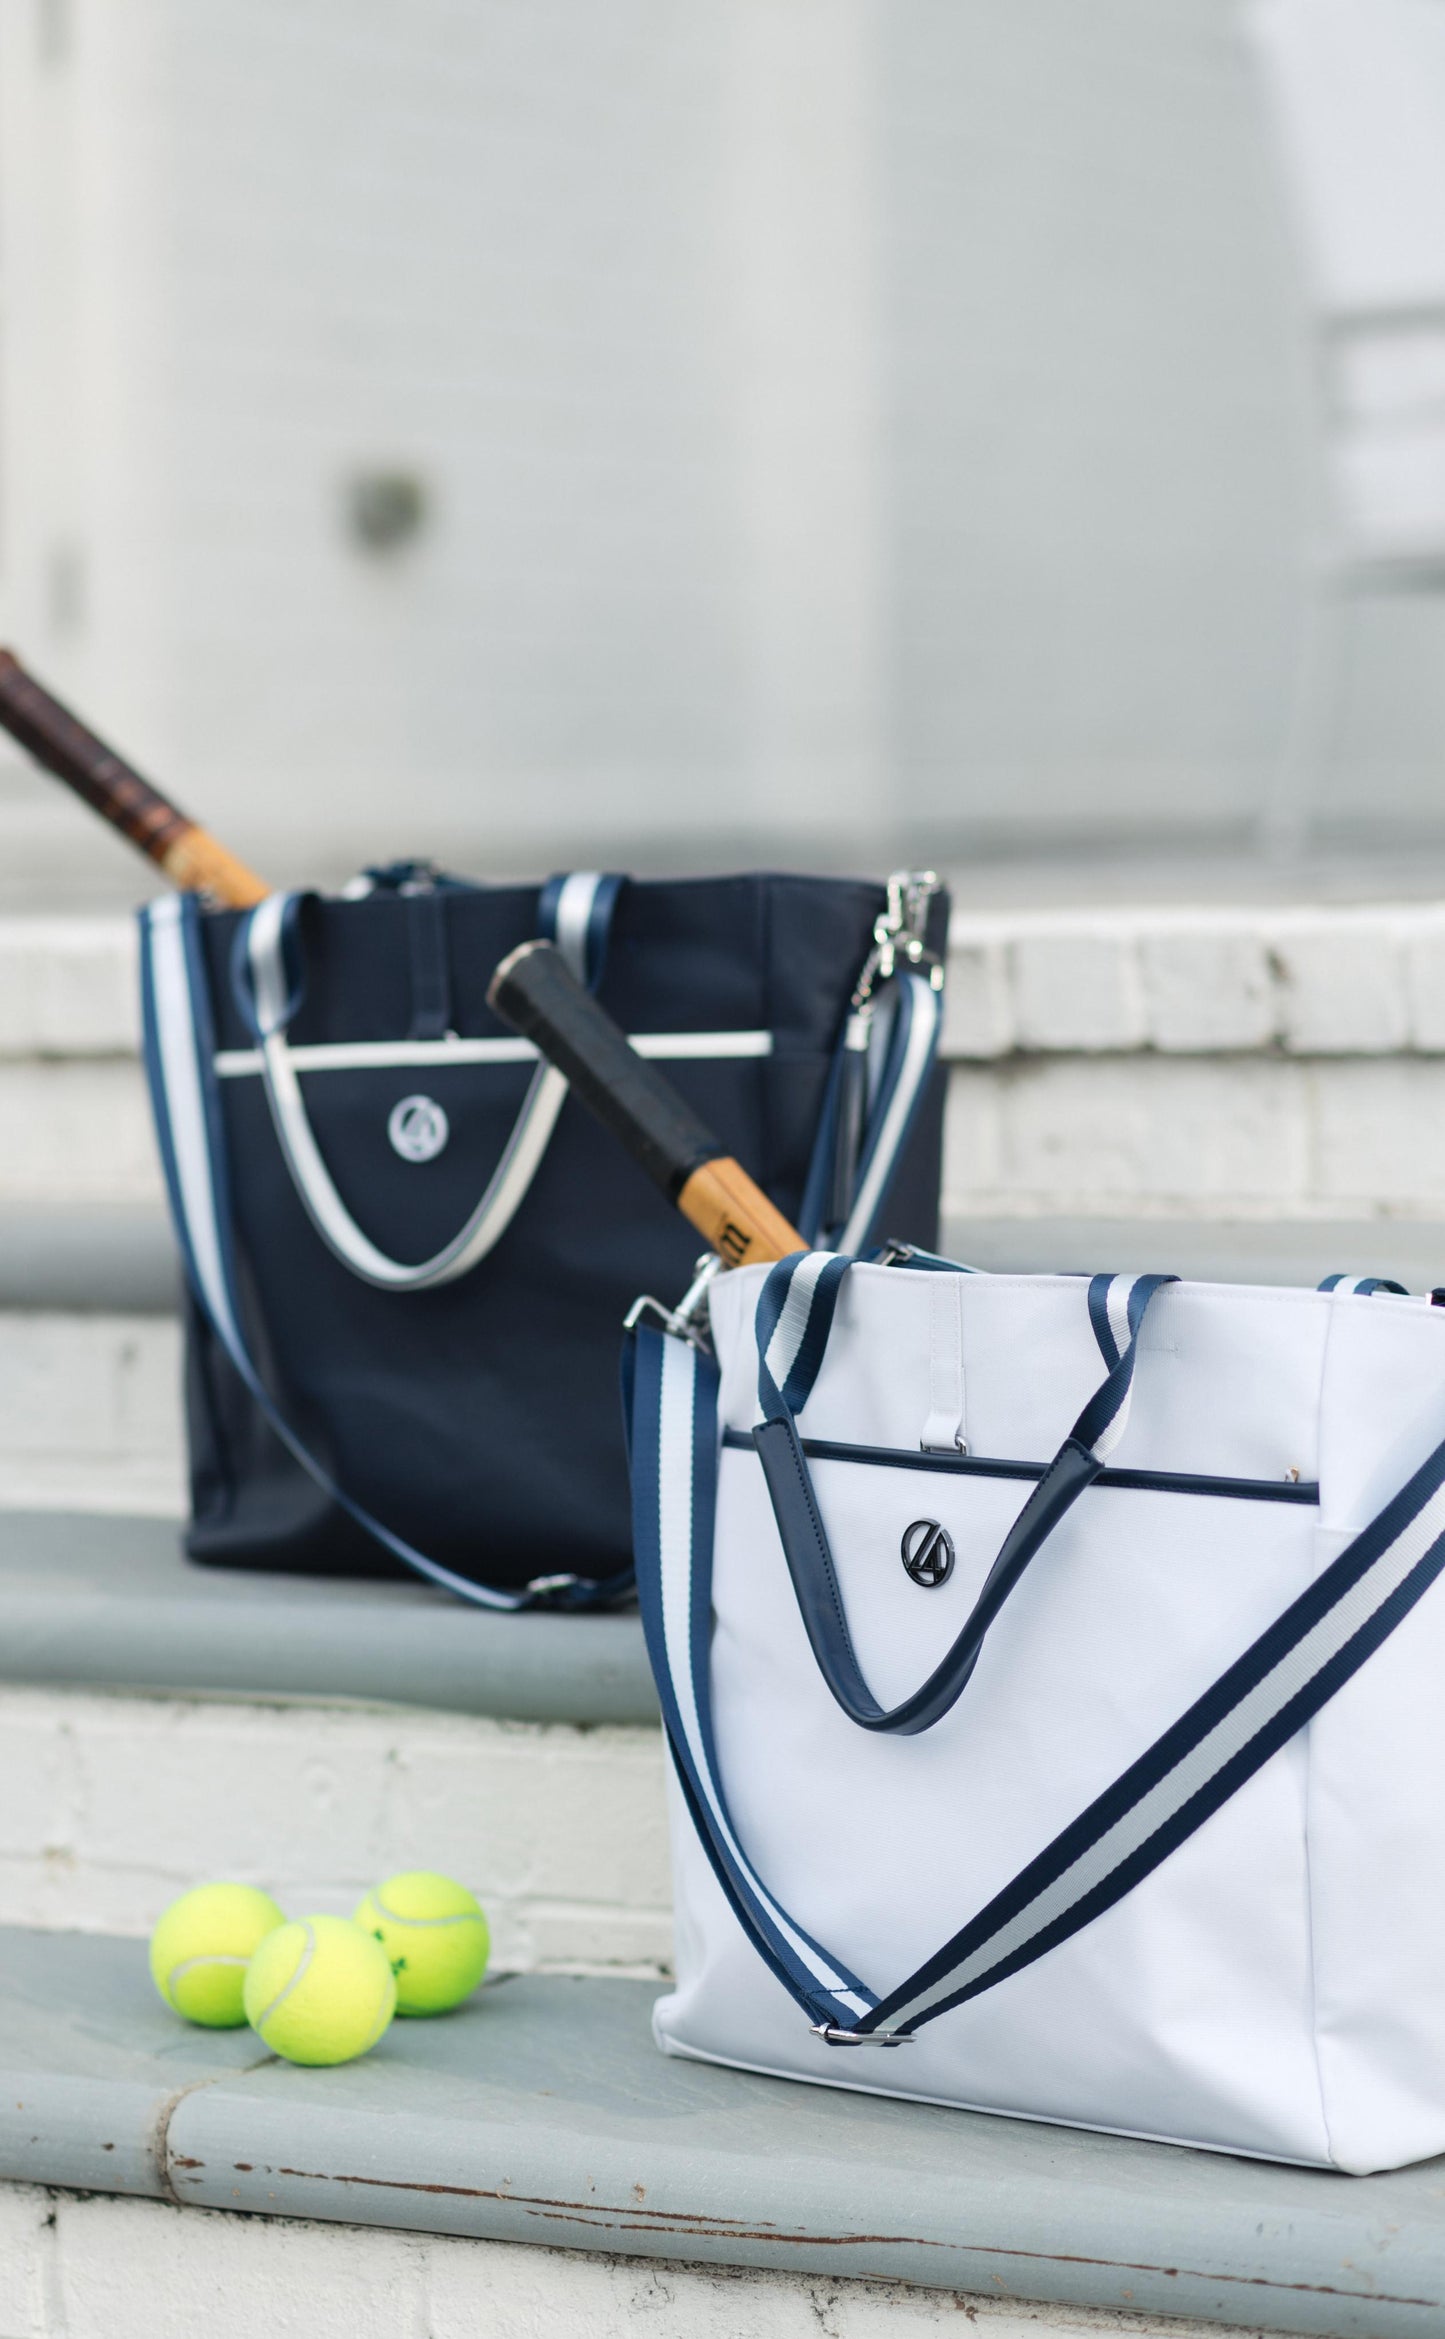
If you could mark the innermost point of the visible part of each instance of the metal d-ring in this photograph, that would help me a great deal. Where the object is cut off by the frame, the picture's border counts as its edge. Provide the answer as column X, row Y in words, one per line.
column 688, row 1320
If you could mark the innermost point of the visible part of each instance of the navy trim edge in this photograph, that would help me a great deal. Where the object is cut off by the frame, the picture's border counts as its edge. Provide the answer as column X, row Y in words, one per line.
column 1302, row 1490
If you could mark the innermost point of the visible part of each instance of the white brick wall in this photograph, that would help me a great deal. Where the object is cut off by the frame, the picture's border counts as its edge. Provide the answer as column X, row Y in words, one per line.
column 1171, row 1063
column 90, row 1413
column 116, row 1803
column 1125, row 1136
column 68, row 987
column 1223, row 1064
column 1302, row 982
column 1338, row 981
column 94, row 2268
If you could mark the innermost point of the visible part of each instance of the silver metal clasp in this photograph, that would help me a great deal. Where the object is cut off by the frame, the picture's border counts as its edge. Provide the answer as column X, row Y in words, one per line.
column 832, row 2036
column 898, row 935
column 688, row 1320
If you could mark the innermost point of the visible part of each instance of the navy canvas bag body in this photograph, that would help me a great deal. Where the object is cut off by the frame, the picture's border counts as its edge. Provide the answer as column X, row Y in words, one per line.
column 409, row 1254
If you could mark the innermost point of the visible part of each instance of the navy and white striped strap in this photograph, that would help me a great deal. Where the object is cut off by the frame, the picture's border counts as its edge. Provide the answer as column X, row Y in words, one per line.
column 672, row 1406
column 1253, row 1709
column 1117, row 1305
column 577, row 910
column 794, row 1318
column 180, row 1066
column 901, row 1040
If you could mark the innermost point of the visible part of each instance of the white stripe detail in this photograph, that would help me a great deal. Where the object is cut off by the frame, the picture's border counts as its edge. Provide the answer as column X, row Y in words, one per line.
column 1229, row 1737
column 268, row 965
column 574, row 914
column 494, row 1213
column 334, row 1223
column 509, row 1184
column 791, row 1328
column 1108, row 1439
column 664, row 1047
column 677, row 1400
column 917, row 1056
column 1116, row 1308
column 185, row 1113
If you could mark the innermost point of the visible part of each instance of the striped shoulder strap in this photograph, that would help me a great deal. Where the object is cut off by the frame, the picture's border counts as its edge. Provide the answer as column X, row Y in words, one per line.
column 180, row 1066
column 1271, row 1691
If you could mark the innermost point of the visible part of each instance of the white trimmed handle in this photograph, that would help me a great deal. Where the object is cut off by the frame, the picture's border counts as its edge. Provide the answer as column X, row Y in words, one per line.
column 509, row 1183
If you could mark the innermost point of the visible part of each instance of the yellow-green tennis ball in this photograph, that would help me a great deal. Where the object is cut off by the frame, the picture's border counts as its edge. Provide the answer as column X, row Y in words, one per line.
column 320, row 1991
column 202, row 1946
column 435, row 1935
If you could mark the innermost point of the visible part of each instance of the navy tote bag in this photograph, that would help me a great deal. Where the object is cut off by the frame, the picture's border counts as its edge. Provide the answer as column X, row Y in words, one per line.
column 409, row 1254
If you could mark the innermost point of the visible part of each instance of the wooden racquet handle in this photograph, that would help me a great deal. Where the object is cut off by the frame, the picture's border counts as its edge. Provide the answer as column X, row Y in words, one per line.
column 536, row 992
column 191, row 857
column 734, row 1216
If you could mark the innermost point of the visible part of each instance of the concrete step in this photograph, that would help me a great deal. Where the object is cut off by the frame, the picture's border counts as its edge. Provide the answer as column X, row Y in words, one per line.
column 161, row 1724
column 90, row 1412
column 584, row 2180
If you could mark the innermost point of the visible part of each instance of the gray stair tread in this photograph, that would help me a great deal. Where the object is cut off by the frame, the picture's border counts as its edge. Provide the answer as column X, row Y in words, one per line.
column 88, row 1259
column 113, row 1602
column 543, row 2113
column 123, row 1260
column 1277, row 1250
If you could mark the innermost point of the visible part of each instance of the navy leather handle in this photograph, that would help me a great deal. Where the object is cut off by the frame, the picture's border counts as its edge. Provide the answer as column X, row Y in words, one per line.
column 795, row 1315
column 820, row 1603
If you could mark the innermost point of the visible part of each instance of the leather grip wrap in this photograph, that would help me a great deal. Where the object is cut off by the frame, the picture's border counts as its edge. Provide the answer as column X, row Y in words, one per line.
column 64, row 746
column 536, row 992
column 190, row 856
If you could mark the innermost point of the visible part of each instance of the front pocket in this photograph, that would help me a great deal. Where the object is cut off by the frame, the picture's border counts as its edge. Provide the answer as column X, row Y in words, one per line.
column 883, row 1847
column 1288, row 1490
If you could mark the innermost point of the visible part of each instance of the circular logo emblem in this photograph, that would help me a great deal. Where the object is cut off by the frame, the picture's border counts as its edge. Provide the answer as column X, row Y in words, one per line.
column 927, row 1553
column 418, row 1128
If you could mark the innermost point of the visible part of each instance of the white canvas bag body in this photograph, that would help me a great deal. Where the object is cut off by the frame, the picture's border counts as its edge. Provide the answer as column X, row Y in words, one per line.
column 1171, row 1862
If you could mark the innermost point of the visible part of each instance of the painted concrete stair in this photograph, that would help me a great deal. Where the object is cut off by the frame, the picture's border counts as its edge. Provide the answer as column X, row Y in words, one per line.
column 570, row 2162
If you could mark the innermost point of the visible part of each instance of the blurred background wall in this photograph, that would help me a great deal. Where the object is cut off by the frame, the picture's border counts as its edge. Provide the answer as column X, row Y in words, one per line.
column 535, row 431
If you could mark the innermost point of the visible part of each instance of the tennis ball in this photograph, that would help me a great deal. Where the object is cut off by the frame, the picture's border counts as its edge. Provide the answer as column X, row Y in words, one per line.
column 319, row 1991
column 435, row 1935
column 202, row 1946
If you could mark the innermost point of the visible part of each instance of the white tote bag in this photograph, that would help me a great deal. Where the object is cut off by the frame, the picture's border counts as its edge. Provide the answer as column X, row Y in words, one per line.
column 1098, row 1781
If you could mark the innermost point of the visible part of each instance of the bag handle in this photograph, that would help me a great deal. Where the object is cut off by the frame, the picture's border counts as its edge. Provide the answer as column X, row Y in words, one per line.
column 794, row 1318
column 1257, row 1704
column 180, row 1068
column 577, row 912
